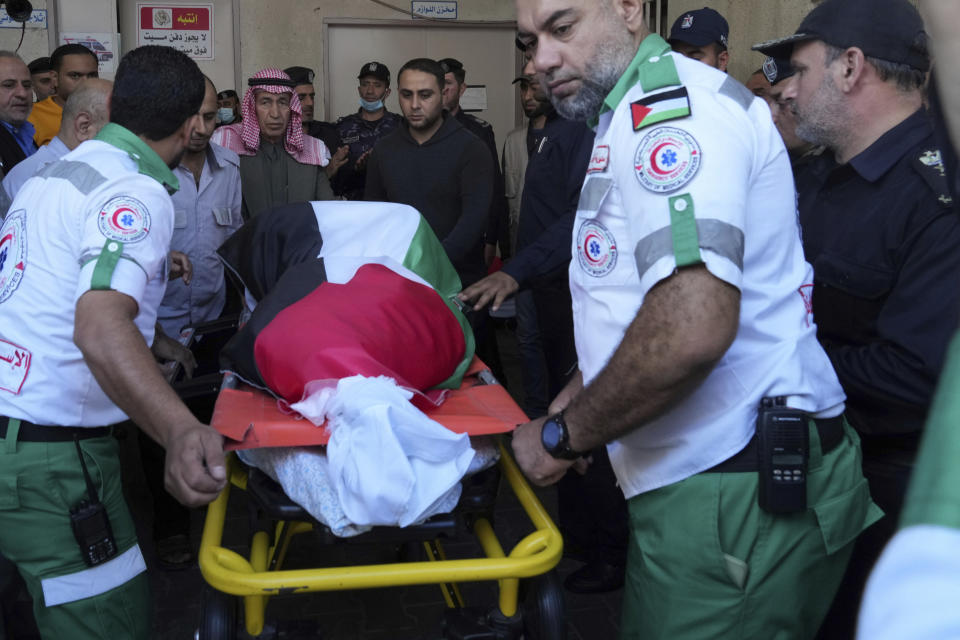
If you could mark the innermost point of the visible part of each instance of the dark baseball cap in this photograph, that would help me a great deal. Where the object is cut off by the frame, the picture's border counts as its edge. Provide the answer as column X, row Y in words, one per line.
column 376, row 69
column 890, row 30
column 451, row 65
column 699, row 28
column 300, row 75
column 777, row 69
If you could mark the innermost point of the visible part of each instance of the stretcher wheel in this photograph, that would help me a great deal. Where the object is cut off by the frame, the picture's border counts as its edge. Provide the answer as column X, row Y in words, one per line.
column 218, row 615
column 544, row 610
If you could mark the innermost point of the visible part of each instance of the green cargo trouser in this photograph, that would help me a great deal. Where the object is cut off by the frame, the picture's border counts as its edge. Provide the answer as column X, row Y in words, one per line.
column 39, row 483
column 706, row 562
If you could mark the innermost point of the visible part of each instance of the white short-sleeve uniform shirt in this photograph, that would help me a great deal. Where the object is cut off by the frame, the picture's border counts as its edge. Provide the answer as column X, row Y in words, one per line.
column 688, row 168
column 99, row 218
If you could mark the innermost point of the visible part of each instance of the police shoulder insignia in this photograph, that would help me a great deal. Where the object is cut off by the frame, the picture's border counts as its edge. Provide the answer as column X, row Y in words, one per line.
column 929, row 164
column 124, row 219
column 667, row 158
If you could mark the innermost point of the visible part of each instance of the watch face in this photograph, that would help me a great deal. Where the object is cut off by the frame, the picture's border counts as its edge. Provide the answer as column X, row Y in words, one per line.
column 551, row 435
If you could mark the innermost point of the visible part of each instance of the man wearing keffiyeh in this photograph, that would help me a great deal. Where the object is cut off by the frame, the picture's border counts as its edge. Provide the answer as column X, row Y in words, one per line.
column 278, row 163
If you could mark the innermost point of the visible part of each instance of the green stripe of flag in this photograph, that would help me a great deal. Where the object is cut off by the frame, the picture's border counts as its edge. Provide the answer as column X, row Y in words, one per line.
column 663, row 116
column 426, row 258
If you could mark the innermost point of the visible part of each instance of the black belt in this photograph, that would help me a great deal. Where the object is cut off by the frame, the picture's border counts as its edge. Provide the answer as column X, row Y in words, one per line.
column 30, row 432
column 829, row 429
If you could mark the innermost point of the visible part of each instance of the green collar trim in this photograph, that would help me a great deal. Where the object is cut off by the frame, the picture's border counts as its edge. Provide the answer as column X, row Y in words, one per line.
column 650, row 74
column 148, row 162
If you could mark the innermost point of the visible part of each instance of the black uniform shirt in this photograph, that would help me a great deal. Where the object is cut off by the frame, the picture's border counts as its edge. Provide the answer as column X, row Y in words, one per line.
column 360, row 135
column 884, row 242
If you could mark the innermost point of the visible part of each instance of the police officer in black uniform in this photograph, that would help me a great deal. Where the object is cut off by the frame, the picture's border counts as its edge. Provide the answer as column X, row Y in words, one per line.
column 455, row 77
column 882, row 236
column 361, row 130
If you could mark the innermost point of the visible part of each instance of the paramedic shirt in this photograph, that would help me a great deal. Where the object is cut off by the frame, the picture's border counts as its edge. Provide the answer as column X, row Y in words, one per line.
column 688, row 168
column 99, row 218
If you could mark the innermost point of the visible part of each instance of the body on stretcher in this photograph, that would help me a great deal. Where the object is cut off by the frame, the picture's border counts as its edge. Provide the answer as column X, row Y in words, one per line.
column 250, row 418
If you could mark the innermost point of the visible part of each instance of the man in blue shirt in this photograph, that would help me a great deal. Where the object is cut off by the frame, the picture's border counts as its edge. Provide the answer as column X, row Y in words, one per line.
column 85, row 113
column 16, row 100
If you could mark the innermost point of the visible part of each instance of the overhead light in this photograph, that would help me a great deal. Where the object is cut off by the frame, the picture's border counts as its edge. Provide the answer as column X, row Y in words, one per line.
column 19, row 10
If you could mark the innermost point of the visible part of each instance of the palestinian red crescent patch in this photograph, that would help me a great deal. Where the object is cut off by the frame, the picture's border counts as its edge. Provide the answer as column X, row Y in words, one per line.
column 124, row 219
column 667, row 159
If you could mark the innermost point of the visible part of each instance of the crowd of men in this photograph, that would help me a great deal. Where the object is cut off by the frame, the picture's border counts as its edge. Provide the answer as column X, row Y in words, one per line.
column 731, row 312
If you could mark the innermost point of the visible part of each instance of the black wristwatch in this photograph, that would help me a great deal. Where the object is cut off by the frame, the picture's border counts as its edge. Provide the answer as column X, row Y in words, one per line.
column 555, row 438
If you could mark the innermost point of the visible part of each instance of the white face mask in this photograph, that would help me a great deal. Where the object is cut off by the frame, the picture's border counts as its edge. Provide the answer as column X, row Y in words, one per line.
column 225, row 115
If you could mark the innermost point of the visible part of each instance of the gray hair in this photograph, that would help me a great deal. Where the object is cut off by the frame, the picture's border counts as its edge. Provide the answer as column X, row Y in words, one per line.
column 903, row 75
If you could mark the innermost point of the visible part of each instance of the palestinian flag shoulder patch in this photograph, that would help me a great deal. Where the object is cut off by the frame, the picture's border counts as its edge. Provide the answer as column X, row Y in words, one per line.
column 660, row 107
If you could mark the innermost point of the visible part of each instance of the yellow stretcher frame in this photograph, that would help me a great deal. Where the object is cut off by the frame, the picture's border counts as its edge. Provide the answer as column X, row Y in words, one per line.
column 231, row 573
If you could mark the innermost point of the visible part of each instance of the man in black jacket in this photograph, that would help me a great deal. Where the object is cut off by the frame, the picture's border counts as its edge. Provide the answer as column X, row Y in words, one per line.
column 432, row 163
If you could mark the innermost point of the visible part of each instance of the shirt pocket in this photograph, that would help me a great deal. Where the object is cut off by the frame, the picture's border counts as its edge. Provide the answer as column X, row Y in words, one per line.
column 223, row 216
column 848, row 296
column 179, row 218
column 601, row 237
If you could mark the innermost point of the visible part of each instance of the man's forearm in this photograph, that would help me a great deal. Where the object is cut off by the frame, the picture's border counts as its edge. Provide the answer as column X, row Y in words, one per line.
column 121, row 362
column 684, row 327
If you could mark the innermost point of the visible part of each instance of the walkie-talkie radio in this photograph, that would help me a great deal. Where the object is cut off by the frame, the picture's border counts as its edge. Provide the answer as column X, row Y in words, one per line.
column 783, row 447
column 90, row 523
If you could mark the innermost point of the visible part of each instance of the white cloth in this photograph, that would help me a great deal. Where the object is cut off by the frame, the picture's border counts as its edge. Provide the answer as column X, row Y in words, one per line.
column 304, row 474
column 723, row 173
column 389, row 463
column 914, row 588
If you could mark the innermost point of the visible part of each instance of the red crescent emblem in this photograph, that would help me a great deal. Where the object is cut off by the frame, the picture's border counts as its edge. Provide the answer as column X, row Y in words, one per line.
column 586, row 246
column 654, row 165
column 6, row 238
column 116, row 214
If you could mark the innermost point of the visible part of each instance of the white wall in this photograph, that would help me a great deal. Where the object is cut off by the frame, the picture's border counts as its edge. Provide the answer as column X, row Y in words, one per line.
column 36, row 42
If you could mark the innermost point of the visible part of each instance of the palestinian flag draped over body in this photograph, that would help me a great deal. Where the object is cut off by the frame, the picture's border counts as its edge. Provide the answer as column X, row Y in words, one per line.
column 343, row 289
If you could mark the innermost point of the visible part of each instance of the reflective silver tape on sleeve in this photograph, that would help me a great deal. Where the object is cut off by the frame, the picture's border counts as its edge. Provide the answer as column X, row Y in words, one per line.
column 81, row 175
column 593, row 192
column 739, row 93
column 723, row 239
column 714, row 235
